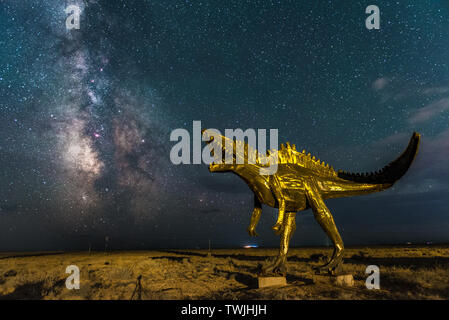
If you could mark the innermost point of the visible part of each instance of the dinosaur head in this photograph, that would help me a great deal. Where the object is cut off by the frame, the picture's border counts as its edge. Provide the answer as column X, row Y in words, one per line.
column 228, row 154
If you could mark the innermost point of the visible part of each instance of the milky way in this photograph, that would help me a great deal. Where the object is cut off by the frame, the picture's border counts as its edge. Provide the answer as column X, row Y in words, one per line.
column 104, row 140
column 109, row 142
column 86, row 116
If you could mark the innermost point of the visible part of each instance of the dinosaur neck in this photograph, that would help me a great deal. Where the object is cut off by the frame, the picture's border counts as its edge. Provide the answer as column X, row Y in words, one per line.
column 249, row 173
column 258, row 184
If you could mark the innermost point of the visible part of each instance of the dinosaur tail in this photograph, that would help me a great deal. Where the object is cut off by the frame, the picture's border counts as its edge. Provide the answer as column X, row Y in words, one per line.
column 391, row 172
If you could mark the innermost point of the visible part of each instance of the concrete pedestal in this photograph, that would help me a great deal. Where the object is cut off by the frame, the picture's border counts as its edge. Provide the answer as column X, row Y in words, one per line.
column 340, row 280
column 344, row 280
column 271, row 281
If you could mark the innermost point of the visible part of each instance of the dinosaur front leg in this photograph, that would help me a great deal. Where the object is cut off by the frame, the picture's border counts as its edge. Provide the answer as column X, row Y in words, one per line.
column 278, row 265
column 277, row 228
column 324, row 218
column 277, row 187
column 255, row 217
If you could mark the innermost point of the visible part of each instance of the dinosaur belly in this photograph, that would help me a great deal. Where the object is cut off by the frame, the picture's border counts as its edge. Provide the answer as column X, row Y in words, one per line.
column 262, row 191
column 295, row 200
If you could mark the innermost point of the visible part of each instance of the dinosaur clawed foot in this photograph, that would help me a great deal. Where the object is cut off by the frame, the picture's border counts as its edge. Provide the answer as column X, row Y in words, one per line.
column 278, row 228
column 334, row 267
column 275, row 267
column 252, row 231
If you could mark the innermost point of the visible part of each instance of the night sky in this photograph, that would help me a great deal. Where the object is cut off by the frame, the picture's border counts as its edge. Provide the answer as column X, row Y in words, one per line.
column 86, row 115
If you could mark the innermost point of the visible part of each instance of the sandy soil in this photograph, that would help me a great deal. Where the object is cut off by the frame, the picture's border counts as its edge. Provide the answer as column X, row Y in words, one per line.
column 408, row 272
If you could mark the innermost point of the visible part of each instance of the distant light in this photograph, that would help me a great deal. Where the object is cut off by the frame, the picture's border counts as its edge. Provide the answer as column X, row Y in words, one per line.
column 249, row 246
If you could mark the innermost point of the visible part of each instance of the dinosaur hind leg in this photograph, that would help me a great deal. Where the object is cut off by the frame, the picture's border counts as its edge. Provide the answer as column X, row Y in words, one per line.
column 288, row 228
column 324, row 218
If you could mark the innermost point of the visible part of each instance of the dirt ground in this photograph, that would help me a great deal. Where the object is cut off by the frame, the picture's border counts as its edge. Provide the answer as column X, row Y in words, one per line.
column 408, row 272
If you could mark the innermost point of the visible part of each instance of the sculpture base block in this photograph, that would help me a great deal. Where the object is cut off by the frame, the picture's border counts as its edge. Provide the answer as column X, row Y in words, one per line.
column 344, row 280
column 271, row 281
column 340, row 280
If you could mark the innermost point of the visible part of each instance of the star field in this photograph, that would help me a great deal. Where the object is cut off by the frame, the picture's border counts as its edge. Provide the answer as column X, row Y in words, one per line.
column 86, row 116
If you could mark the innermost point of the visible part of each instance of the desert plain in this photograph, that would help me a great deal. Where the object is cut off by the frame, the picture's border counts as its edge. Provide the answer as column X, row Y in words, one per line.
column 406, row 272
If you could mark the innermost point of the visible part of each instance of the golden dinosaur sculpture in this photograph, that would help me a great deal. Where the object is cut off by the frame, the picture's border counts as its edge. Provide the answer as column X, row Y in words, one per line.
column 301, row 182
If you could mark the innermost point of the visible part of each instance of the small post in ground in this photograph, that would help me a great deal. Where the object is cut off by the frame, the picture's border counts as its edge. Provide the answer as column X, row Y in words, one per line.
column 209, row 254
